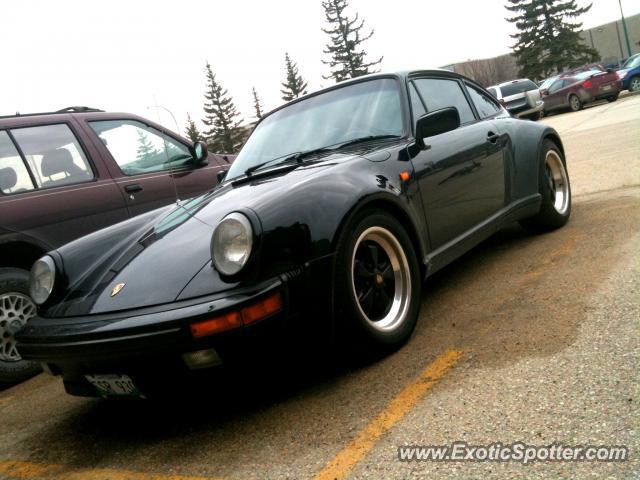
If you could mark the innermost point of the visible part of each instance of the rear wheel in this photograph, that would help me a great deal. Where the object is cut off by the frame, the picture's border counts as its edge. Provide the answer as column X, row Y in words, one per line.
column 377, row 283
column 555, row 191
column 16, row 308
column 574, row 103
column 634, row 84
column 613, row 98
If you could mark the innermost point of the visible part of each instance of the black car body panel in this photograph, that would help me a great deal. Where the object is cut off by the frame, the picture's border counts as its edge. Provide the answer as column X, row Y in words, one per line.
column 449, row 196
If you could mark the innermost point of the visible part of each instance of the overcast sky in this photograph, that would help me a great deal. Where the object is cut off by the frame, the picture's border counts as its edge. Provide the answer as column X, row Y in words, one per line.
column 126, row 55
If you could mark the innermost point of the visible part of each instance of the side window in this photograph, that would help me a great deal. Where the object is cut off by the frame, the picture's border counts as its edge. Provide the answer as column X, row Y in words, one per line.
column 14, row 177
column 557, row 85
column 138, row 149
column 440, row 93
column 53, row 155
column 416, row 104
column 486, row 106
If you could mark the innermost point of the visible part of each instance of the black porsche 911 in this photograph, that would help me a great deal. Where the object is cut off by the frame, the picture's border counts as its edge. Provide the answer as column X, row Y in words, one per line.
column 337, row 208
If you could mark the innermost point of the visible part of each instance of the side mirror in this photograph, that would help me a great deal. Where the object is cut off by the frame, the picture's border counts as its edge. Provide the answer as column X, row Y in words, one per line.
column 436, row 123
column 200, row 153
column 544, row 92
column 221, row 175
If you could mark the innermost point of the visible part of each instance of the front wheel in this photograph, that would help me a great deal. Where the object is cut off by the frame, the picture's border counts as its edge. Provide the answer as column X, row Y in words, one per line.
column 574, row 103
column 16, row 308
column 378, row 282
column 555, row 190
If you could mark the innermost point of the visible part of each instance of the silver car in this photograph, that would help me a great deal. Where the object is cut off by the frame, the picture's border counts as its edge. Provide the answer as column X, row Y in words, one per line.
column 521, row 97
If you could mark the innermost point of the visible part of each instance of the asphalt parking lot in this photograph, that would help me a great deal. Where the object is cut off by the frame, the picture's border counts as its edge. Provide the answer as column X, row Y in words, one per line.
column 526, row 338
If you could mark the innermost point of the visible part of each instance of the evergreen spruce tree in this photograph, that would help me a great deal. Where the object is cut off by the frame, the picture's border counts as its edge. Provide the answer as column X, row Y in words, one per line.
column 257, row 105
column 192, row 131
column 548, row 38
column 294, row 85
column 347, row 58
column 224, row 134
column 146, row 153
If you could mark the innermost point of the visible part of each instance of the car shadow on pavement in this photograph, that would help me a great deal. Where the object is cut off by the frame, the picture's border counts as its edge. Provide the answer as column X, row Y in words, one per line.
column 514, row 296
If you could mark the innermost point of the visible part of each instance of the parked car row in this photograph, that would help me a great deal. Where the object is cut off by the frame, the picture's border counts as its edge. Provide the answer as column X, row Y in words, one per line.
column 68, row 173
column 571, row 90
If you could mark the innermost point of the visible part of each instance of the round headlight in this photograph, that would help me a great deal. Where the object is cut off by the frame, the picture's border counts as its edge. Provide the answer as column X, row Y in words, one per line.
column 43, row 276
column 231, row 244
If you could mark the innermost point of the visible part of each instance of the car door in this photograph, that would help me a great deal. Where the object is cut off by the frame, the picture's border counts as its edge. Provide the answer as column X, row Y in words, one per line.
column 461, row 173
column 152, row 168
column 559, row 93
column 53, row 191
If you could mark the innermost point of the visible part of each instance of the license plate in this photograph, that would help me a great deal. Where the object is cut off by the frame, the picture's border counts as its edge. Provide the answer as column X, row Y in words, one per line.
column 606, row 88
column 114, row 385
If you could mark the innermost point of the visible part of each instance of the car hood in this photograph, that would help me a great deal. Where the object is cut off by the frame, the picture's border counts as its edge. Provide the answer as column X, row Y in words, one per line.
column 155, row 262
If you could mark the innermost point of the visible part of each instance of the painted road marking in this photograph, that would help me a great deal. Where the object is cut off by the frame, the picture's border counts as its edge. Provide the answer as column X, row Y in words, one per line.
column 355, row 451
column 17, row 470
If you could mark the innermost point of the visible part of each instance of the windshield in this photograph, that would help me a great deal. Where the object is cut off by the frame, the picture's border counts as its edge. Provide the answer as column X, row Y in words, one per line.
column 547, row 83
column 632, row 62
column 347, row 113
column 590, row 73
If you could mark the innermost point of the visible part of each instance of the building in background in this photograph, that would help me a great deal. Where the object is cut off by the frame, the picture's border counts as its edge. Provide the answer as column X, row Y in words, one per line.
column 609, row 41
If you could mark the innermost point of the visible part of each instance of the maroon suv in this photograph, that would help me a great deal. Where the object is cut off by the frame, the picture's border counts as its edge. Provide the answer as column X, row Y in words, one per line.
column 577, row 88
column 68, row 173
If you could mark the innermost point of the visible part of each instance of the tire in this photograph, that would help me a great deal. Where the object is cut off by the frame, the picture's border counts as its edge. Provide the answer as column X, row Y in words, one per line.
column 612, row 98
column 376, row 259
column 575, row 105
column 15, row 308
column 555, row 189
column 634, row 83
column 534, row 117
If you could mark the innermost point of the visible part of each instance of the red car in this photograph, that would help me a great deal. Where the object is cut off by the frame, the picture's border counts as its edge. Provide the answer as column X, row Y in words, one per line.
column 577, row 89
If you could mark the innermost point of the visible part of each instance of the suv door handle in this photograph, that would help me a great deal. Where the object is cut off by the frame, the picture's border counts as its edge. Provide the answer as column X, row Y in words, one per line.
column 133, row 188
column 492, row 137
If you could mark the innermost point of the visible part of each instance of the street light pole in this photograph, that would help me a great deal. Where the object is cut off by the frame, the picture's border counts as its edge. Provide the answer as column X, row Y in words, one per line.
column 624, row 26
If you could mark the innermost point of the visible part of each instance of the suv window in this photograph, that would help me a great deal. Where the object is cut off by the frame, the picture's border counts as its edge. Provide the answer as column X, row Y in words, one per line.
column 493, row 91
column 138, row 149
column 14, row 176
column 53, row 155
column 516, row 87
column 440, row 93
column 484, row 104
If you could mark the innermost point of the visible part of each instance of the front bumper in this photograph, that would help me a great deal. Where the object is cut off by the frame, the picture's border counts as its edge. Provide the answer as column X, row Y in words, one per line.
column 154, row 339
column 519, row 113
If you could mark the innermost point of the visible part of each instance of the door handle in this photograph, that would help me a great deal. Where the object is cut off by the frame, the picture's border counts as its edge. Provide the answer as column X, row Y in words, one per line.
column 493, row 137
column 133, row 188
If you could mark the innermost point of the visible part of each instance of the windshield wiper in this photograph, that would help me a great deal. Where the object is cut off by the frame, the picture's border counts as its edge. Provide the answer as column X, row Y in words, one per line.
column 368, row 138
column 293, row 157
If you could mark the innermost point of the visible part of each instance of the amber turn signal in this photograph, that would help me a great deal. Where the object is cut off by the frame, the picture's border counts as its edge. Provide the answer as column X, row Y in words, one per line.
column 216, row 325
column 405, row 176
column 262, row 309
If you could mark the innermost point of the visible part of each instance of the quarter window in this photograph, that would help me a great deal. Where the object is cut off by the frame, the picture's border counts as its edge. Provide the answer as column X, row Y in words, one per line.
column 440, row 93
column 485, row 106
column 14, row 176
column 53, row 155
column 139, row 149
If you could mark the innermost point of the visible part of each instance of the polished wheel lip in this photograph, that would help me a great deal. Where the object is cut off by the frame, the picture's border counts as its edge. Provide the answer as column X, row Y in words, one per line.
column 558, row 181
column 398, row 310
column 15, row 310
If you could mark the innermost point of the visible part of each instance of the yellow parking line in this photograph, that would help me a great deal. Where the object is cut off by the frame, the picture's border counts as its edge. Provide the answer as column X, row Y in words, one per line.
column 17, row 470
column 355, row 451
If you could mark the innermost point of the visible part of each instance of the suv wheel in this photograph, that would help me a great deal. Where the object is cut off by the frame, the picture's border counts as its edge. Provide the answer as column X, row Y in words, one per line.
column 16, row 308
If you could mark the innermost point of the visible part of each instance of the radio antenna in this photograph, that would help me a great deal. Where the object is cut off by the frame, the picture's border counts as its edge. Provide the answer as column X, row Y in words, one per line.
column 166, row 149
